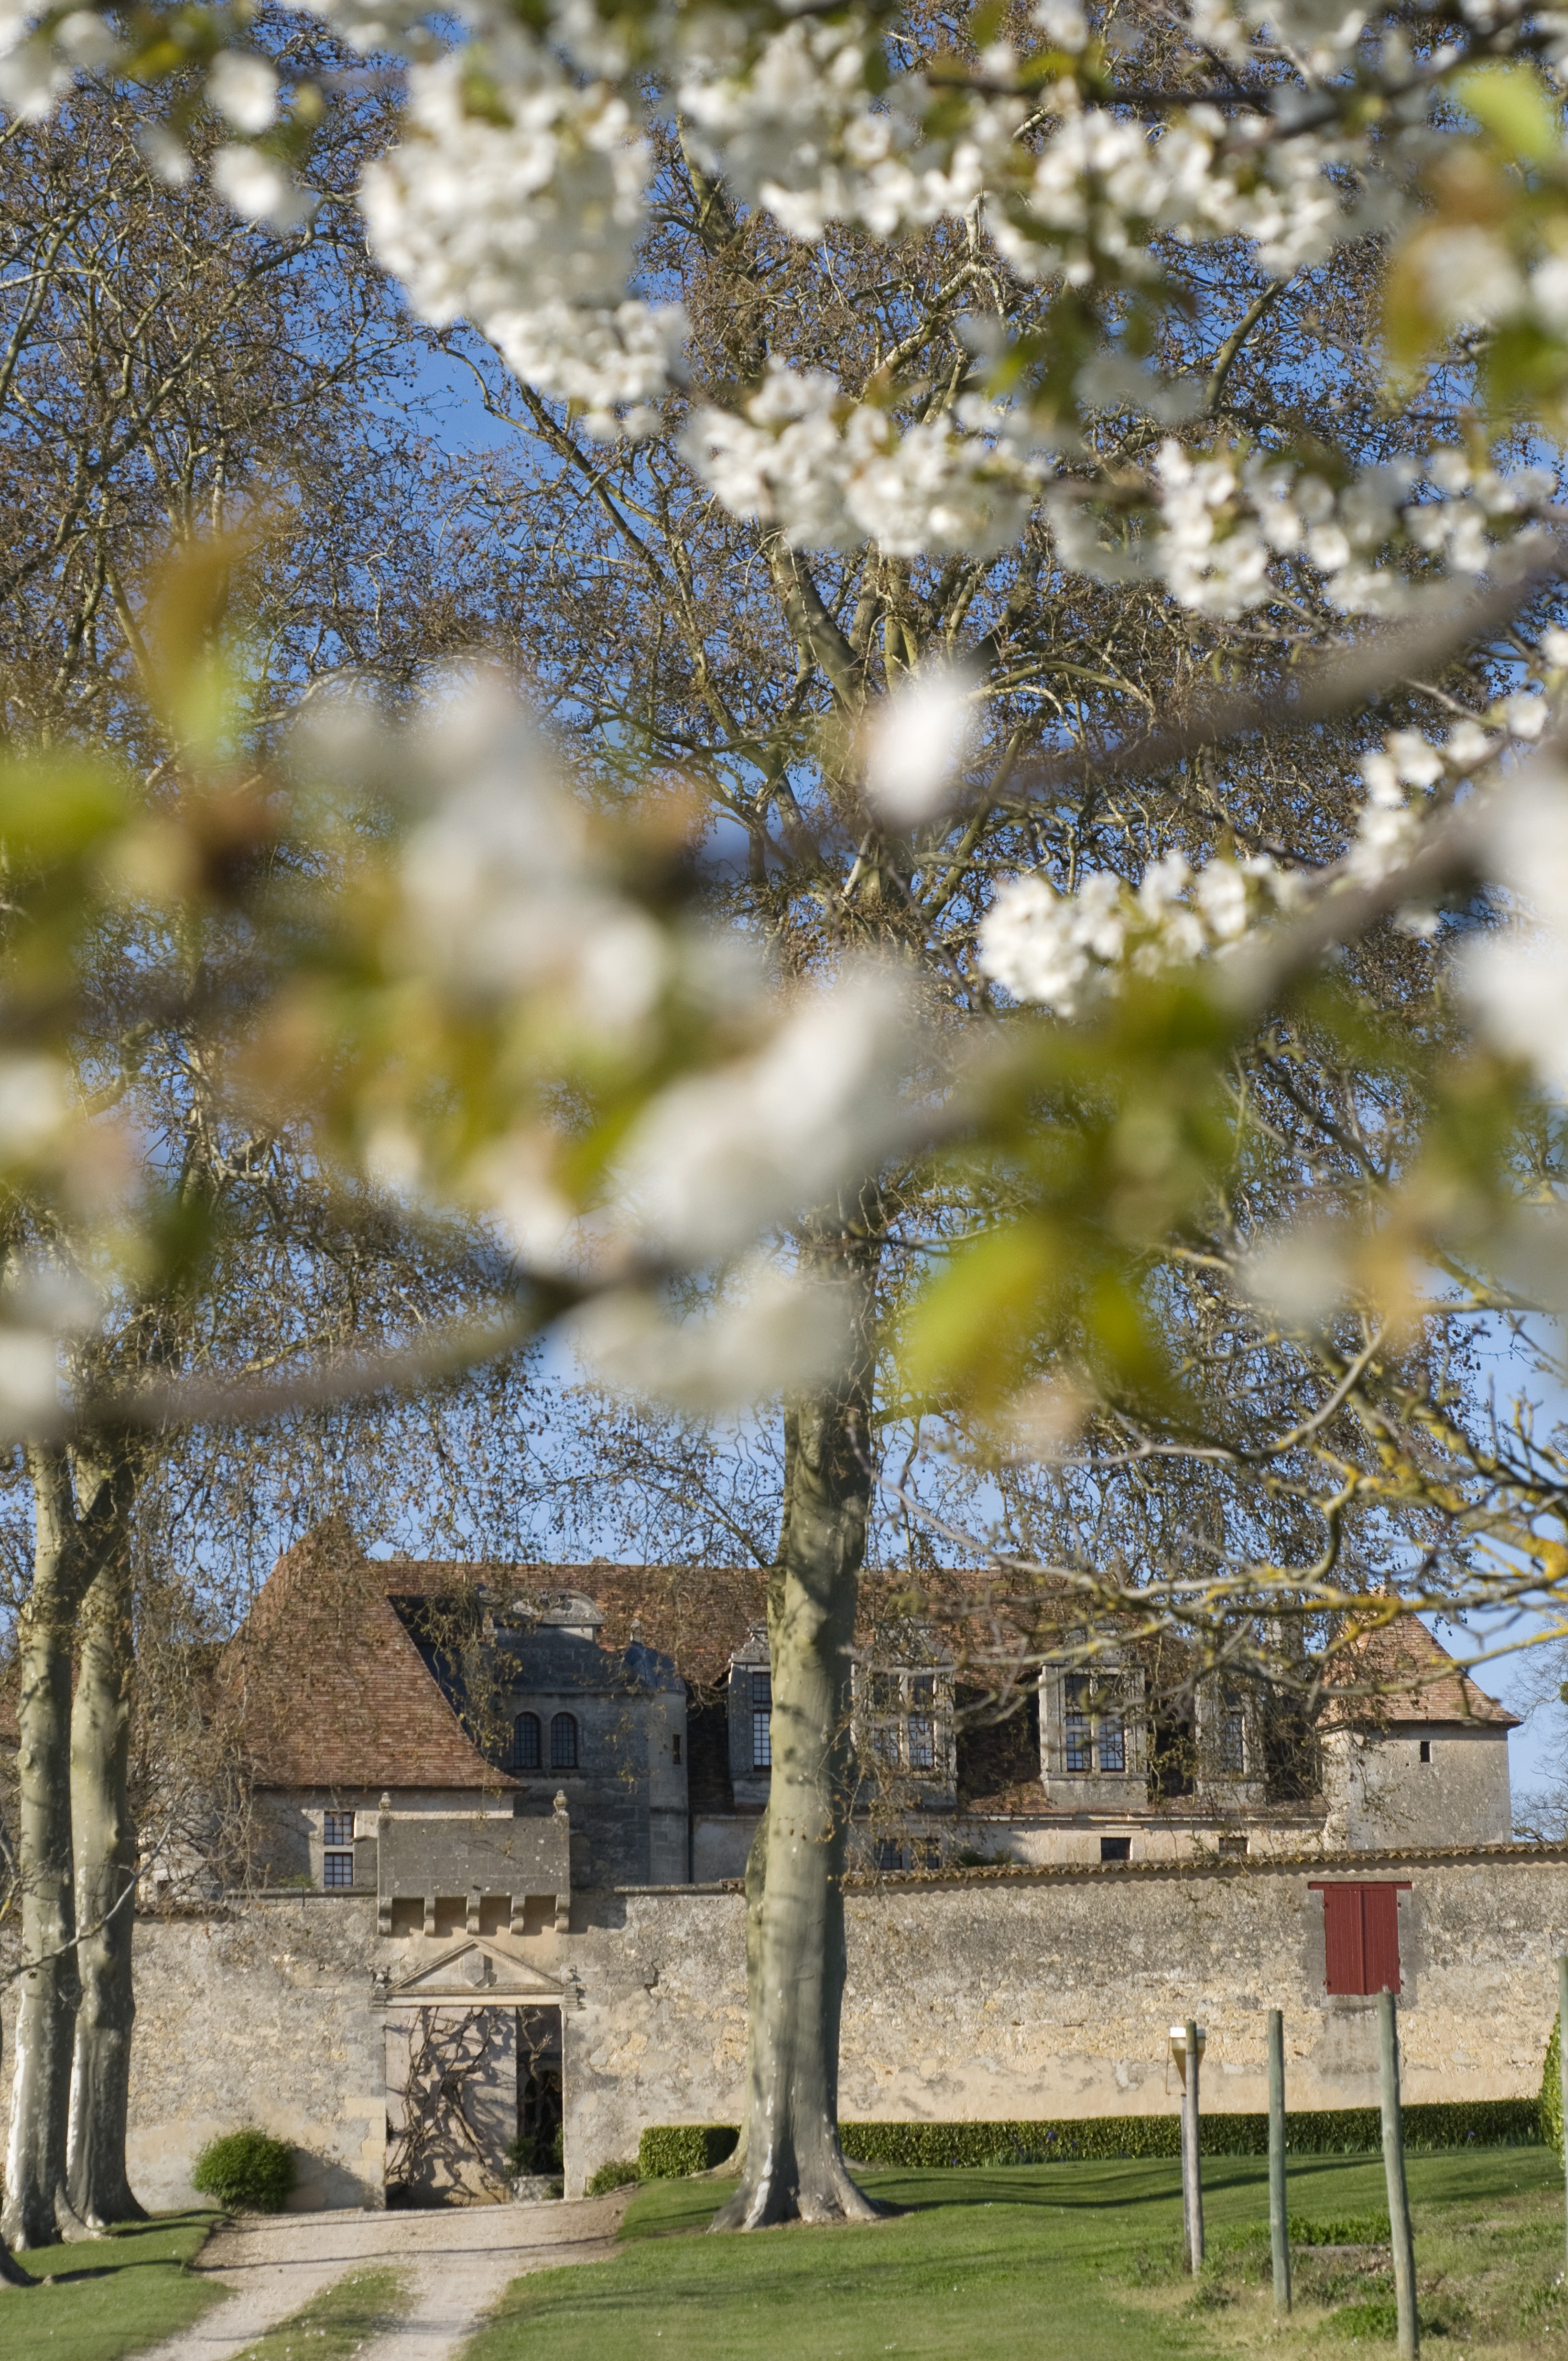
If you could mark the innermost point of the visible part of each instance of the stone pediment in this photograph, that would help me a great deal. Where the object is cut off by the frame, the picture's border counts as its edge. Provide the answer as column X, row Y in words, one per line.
column 475, row 1971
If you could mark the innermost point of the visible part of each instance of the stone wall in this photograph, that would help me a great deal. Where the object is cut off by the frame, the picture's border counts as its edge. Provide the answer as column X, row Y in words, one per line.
column 980, row 1995
column 1053, row 1996
column 260, row 2015
column 1381, row 1793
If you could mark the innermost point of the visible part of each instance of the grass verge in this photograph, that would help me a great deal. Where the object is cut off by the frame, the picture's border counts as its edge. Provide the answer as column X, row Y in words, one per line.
column 336, row 2322
column 1043, row 2260
column 111, row 2296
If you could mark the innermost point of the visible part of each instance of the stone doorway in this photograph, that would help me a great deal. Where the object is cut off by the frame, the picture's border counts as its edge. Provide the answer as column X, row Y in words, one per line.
column 475, row 2082
column 474, row 2098
column 451, row 2105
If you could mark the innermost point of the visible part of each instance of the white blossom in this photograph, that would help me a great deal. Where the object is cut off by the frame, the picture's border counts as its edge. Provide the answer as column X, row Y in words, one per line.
column 260, row 188
column 166, row 157
column 1523, row 715
column 1517, row 980
column 1050, row 948
column 16, row 23
column 799, row 130
column 832, row 473
column 518, row 205
column 481, row 216
column 1063, row 24
column 1467, row 744
column 599, row 360
column 1223, row 519
column 29, row 1380
column 500, row 893
column 915, row 744
column 34, row 1103
column 244, row 89
column 33, row 78
column 770, row 1333
column 1062, row 951
column 718, row 1157
column 88, row 41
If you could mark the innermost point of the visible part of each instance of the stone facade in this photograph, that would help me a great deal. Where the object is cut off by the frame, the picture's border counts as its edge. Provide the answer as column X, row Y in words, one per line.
column 622, row 1715
column 477, row 1689
column 979, row 1994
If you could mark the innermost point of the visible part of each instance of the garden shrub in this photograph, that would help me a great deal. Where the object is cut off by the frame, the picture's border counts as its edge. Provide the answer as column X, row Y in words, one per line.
column 1328, row 2131
column 248, row 2171
column 618, row 2175
column 669, row 2151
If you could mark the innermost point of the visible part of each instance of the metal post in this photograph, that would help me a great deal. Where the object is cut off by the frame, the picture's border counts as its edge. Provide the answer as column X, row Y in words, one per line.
column 1562, row 2047
column 1191, row 2171
column 1394, row 2172
column 1279, row 2218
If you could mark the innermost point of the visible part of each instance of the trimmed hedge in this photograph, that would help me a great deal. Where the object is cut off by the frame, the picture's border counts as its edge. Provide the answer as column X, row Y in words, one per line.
column 1551, row 2090
column 668, row 2152
column 248, row 2171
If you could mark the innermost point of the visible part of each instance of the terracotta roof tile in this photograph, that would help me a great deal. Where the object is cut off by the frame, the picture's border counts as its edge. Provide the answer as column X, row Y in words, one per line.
column 1410, row 1676
column 327, row 1688
column 696, row 1615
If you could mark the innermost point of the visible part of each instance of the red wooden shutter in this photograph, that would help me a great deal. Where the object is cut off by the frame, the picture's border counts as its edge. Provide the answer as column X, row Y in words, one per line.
column 1361, row 1936
column 1380, row 1923
column 1344, row 1951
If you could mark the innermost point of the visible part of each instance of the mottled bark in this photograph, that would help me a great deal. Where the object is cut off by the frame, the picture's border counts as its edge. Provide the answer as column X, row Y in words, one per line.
column 794, row 2169
column 67, row 1548
column 11, row 2272
column 105, row 1841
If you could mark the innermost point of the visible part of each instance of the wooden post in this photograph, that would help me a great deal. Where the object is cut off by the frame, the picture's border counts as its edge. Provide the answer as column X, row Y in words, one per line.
column 1561, row 2043
column 1279, row 2218
column 1191, row 2171
column 1394, row 2172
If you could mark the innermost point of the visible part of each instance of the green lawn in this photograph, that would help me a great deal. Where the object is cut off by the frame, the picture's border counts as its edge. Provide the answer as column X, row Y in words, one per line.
column 1058, row 2260
column 111, row 2296
column 336, row 2323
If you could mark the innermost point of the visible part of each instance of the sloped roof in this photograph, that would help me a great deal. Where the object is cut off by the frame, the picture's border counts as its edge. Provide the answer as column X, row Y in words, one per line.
column 326, row 1686
column 1409, row 1676
column 696, row 1615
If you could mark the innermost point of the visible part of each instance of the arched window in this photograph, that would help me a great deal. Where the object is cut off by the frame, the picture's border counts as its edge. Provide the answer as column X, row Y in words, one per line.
column 564, row 1744
column 525, row 1753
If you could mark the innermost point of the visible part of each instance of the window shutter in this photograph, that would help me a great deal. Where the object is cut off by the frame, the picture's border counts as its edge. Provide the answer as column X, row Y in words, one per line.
column 1361, row 1936
column 1345, row 1953
column 1380, row 1923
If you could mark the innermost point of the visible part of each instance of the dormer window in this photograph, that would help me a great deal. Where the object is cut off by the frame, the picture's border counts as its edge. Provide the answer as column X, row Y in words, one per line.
column 904, row 1719
column 1094, row 1732
column 1092, row 1738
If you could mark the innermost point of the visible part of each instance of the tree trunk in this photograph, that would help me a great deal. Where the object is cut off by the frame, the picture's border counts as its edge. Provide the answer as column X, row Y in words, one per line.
column 793, row 2168
column 11, row 2273
column 66, row 1549
column 106, row 1848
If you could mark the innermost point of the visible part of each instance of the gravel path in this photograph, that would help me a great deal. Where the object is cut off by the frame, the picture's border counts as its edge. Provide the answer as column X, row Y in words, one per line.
column 457, row 2263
